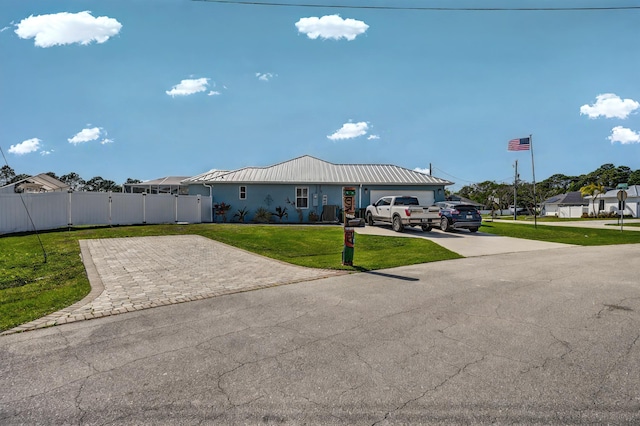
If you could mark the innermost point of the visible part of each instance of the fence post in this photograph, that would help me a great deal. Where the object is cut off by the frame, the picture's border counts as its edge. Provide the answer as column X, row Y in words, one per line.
column 199, row 207
column 176, row 204
column 69, row 209
column 109, row 208
column 144, row 208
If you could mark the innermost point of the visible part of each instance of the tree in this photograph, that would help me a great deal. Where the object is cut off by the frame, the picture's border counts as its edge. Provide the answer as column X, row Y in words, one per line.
column 130, row 180
column 53, row 175
column 75, row 182
column 593, row 190
column 6, row 175
column 634, row 178
column 98, row 184
column 18, row 178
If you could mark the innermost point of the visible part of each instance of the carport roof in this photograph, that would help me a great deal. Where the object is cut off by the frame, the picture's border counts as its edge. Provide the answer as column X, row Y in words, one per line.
column 307, row 169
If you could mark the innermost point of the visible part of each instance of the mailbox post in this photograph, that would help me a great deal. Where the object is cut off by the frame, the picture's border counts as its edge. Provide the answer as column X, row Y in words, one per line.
column 349, row 209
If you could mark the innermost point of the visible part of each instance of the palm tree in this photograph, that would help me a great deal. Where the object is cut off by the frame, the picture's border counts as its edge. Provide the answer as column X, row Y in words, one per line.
column 593, row 190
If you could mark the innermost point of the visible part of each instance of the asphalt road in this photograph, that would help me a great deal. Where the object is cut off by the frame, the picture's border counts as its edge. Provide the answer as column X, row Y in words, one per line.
column 541, row 337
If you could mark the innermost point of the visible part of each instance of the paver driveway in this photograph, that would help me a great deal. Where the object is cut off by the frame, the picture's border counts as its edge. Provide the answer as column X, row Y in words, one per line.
column 130, row 274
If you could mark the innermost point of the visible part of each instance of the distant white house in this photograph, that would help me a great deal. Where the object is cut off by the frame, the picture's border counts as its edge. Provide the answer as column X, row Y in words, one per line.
column 34, row 185
column 608, row 202
column 569, row 205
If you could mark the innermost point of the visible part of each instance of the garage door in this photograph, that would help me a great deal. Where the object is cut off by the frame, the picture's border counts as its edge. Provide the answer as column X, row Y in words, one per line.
column 426, row 198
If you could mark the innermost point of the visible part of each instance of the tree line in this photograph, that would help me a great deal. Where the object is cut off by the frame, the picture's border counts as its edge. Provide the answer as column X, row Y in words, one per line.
column 74, row 180
column 500, row 195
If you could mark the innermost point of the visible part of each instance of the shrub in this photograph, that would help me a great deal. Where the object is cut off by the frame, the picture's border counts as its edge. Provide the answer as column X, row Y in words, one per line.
column 280, row 213
column 262, row 215
column 241, row 214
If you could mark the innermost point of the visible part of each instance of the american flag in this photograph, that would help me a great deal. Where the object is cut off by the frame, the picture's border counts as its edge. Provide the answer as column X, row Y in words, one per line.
column 522, row 144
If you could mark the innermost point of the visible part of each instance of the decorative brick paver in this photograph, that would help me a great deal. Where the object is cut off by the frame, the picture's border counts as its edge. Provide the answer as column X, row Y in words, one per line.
column 130, row 274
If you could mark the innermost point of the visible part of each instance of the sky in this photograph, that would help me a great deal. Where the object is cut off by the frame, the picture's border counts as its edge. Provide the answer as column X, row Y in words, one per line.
column 145, row 89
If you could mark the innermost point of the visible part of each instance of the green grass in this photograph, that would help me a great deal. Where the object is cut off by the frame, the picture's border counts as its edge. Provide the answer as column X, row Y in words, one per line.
column 562, row 234
column 31, row 288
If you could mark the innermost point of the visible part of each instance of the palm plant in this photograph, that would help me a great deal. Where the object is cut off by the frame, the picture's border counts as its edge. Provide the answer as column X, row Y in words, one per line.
column 593, row 190
column 241, row 214
column 280, row 213
column 262, row 215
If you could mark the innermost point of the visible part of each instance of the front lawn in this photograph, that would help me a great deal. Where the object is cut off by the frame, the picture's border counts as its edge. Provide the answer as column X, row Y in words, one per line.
column 31, row 288
column 562, row 234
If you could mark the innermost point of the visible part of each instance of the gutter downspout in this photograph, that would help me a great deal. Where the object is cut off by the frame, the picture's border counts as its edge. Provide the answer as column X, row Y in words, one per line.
column 360, row 200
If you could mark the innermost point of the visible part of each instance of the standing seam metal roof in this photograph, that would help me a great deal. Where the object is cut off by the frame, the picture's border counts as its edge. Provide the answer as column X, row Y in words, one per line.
column 307, row 169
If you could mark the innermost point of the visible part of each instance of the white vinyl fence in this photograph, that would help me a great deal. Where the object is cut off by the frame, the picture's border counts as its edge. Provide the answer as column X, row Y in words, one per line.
column 59, row 209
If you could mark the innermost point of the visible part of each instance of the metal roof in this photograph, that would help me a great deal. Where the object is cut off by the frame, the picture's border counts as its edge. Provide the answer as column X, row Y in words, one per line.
column 42, row 181
column 307, row 169
column 167, row 180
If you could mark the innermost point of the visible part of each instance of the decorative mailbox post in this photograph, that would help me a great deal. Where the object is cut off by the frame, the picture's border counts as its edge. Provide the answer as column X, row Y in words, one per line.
column 349, row 208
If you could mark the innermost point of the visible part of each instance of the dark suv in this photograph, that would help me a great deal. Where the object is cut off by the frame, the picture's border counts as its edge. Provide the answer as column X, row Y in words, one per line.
column 459, row 216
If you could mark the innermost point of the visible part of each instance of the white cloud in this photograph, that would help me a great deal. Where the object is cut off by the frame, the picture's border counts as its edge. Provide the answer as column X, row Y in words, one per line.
column 3, row 29
column 421, row 170
column 610, row 105
column 624, row 136
column 86, row 135
column 189, row 87
column 213, row 93
column 106, row 141
column 43, row 153
column 350, row 131
column 25, row 147
column 67, row 28
column 331, row 27
column 265, row 76
column 372, row 137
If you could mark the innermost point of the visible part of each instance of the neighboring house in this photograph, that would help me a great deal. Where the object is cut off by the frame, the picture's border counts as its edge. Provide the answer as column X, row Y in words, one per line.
column 608, row 202
column 311, row 189
column 569, row 205
column 35, row 184
column 165, row 185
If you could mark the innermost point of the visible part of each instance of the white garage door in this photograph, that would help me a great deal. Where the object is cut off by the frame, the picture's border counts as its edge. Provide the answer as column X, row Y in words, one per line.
column 426, row 198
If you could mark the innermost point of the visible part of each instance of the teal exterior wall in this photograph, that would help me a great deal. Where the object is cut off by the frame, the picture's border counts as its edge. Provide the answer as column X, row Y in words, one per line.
column 270, row 196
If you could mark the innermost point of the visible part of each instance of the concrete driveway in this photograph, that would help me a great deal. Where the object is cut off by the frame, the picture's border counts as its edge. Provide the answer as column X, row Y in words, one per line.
column 464, row 242
column 537, row 337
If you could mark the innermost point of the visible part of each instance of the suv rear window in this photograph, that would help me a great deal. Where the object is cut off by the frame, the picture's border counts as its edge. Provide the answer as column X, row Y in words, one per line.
column 465, row 208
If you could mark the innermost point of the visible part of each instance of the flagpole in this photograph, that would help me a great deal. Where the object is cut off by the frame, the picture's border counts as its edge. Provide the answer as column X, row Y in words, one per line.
column 533, row 170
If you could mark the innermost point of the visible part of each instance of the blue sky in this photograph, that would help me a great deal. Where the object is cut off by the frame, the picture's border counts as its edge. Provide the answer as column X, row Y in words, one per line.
column 144, row 89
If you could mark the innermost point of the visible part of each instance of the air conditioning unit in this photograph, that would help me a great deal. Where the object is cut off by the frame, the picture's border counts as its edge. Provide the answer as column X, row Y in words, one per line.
column 330, row 213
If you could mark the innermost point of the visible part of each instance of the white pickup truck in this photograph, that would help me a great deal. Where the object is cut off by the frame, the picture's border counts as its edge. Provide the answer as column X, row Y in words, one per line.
column 401, row 211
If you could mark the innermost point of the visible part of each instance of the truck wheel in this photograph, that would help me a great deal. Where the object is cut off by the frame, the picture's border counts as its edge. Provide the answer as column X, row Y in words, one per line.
column 370, row 219
column 426, row 228
column 397, row 224
column 444, row 225
column 473, row 229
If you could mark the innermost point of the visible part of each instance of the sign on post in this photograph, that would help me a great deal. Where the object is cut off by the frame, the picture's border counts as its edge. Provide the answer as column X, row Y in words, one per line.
column 349, row 209
column 622, row 197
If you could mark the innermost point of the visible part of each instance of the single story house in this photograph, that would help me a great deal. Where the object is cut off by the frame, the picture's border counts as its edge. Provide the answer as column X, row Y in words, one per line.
column 608, row 202
column 164, row 185
column 308, row 188
column 569, row 205
column 35, row 184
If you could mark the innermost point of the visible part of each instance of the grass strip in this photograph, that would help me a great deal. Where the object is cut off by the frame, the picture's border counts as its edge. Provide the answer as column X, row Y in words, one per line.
column 562, row 234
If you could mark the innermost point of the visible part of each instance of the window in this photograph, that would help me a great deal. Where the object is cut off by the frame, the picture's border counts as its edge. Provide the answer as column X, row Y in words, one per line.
column 601, row 205
column 243, row 192
column 302, row 197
